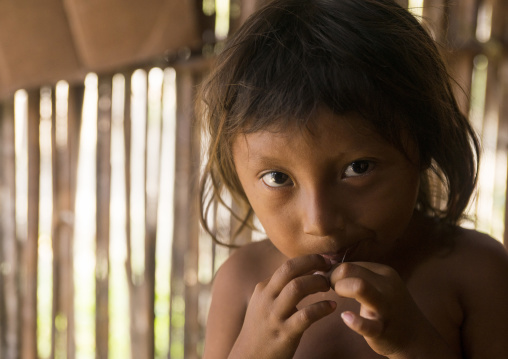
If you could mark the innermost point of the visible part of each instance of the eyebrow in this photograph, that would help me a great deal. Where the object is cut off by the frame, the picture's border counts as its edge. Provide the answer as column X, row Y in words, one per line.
column 258, row 160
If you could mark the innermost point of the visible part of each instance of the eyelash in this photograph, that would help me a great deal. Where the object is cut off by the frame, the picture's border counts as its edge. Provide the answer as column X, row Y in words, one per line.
column 350, row 167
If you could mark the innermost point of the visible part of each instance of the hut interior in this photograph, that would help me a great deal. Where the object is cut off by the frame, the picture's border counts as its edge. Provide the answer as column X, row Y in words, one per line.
column 101, row 253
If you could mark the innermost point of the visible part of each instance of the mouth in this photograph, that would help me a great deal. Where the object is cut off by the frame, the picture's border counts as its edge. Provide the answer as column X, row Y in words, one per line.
column 340, row 256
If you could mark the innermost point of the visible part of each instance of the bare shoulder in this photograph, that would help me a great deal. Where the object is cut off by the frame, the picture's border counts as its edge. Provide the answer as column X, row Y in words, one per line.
column 479, row 264
column 480, row 255
column 249, row 265
column 476, row 263
column 469, row 239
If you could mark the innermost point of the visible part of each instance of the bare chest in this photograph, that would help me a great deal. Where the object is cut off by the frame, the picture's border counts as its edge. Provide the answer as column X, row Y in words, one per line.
column 331, row 338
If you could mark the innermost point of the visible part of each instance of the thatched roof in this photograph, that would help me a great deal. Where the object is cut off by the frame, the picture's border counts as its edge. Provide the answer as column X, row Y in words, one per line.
column 43, row 41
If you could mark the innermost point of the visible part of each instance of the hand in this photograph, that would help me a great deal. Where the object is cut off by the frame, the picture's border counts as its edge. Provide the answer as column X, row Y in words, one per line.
column 273, row 326
column 389, row 319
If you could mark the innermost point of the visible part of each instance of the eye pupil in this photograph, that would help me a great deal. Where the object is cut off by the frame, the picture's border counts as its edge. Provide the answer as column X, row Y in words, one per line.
column 360, row 166
column 278, row 177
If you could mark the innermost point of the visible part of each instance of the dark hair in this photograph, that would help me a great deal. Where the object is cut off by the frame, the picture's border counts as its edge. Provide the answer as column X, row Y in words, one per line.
column 368, row 57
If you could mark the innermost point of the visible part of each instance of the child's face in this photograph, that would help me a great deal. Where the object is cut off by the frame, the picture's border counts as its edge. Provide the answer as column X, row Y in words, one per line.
column 343, row 187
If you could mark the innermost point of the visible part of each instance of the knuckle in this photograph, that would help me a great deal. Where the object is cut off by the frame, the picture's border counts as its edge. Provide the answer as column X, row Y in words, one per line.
column 305, row 317
column 310, row 315
column 389, row 272
column 296, row 286
column 360, row 287
column 288, row 268
column 259, row 287
column 274, row 320
column 345, row 270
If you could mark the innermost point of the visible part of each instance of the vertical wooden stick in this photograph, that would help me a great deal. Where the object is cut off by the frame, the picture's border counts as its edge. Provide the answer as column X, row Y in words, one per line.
column 151, row 214
column 64, row 177
column 499, row 36
column 74, row 113
column 185, row 239
column 103, row 207
column 29, row 250
column 9, row 255
column 135, row 348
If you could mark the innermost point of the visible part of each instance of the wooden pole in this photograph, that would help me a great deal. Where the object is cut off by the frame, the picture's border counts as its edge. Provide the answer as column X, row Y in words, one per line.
column 140, row 284
column 9, row 255
column 503, row 134
column 136, row 328
column 435, row 18
column 74, row 113
column 462, row 22
column 499, row 46
column 103, row 207
column 184, row 283
column 65, row 131
column 152, row 192
column 136, row 350
column 462, row 48
column 29, row 247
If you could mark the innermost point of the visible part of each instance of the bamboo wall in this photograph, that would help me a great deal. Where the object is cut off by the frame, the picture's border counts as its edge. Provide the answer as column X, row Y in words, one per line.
column 101, row 255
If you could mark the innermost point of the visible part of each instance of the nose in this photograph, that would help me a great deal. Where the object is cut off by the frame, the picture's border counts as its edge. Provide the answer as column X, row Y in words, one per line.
column 321, row 212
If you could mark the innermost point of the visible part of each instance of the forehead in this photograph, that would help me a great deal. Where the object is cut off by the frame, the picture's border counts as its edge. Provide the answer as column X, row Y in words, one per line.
column 325, row 132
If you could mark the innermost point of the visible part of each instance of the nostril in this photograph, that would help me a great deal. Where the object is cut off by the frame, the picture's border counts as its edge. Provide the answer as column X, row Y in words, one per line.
column 324, row 225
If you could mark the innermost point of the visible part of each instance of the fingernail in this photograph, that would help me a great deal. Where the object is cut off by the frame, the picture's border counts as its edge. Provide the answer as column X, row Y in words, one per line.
column 347, row 317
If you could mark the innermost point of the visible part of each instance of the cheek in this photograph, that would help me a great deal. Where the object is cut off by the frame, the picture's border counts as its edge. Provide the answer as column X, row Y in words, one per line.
column 276, row 219
column 280, row 224
column 390, row 209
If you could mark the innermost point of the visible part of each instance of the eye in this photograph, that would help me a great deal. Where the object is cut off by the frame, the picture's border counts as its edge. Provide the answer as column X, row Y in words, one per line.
column 276, row 179
column 358, row 168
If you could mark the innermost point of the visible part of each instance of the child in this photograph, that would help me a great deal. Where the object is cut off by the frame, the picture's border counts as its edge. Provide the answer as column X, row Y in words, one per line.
column 335, row 123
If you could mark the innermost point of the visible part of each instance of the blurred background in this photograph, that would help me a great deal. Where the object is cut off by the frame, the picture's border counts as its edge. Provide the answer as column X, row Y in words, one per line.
column 101, row 253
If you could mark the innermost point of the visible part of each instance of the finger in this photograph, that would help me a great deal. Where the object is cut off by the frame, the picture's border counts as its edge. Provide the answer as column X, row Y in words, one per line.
column 297, row 289
column 367, row 270
column 362, row 284
column 363, row 292
column 294, row 268
column 378, row 268
column 353, row 279
column 367, row 327
column 305, row 317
